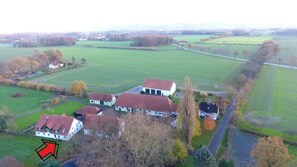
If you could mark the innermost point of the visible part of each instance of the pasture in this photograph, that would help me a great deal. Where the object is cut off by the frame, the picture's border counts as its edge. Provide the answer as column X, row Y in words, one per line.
column 191, row 38
column 240, row 40
column 272, row 102
column 67, row 108
column 30, row 100
column 116, row 70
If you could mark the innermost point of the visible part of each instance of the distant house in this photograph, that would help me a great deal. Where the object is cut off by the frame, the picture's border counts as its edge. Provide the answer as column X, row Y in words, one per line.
column 152, row 105
column 103, row 126
column 102, row 99
column 81, row 113
column 57, row 127
column 159, row 87
column 56, row 65
column 208, row 110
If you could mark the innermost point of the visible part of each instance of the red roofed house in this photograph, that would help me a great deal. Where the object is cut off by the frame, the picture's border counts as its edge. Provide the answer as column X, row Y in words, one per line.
column 57, row 127
column 107, row 126
column 102, row 99
column 159, row 87
column 81, row 113
column 152, row 105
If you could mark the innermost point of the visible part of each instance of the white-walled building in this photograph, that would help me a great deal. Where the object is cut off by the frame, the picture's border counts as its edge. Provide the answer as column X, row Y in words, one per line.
column 151, row 105
column 102, row 99
column 208, row 110
column 57, row 127
column 55, row 65
column 159, row 87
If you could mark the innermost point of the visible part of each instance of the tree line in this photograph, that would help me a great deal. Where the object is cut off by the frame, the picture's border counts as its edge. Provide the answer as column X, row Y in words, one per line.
column 23, row 65
column 45, row 41
column 151, row 40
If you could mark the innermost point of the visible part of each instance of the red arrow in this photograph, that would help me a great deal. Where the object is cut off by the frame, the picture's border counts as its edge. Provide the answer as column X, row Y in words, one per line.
column 48, row 149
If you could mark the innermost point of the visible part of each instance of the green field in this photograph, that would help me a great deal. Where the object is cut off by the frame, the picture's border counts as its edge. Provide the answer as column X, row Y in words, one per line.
column 23, row 148
column 272, row 102
column 67, row 108
column 288, row 48
column 116, row 70
column 230, row 47
column 7, row 52
column 30, row 101
column 103, row 43
column 240, row 40
column 191, row 38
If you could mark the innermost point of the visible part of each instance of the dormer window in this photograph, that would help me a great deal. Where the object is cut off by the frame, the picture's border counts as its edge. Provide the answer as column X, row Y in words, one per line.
column 56, row 131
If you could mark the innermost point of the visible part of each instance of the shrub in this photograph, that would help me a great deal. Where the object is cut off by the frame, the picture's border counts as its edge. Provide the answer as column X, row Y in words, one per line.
column 55, row 101
column 203, row 94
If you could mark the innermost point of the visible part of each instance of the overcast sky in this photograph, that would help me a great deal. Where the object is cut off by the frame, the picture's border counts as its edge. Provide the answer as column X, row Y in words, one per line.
column 85, row 15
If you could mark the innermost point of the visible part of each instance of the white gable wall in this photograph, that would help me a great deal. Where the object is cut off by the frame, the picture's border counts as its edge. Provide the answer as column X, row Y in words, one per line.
column 163, row 92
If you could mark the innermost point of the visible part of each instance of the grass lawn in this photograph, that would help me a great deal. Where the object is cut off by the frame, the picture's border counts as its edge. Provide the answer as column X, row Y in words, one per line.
column 30, row 101
column 191, row 38
column 23, row 148
column 203, row 139
column 116, row 70
column 240, row 40
column 66, row 108
column 7, row 52
column 272, row 102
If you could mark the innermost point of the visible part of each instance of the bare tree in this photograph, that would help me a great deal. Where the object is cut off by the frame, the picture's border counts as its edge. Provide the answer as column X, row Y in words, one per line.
column 187, row 112
column 150, row 141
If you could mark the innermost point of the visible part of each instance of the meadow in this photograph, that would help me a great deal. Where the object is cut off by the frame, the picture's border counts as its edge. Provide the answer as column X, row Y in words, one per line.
column 272, row 102
column 258, row 40
column 67, row 108
column 191, row 38
column 30, row 100
column 116, row 70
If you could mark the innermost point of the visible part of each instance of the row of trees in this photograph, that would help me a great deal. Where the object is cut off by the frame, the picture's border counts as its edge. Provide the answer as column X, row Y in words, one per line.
column 151, row 40
column 39, row 60
column 211, row 38
column 45, row 41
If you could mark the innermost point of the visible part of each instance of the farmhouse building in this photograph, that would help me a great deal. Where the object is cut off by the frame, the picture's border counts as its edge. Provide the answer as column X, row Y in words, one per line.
column 55, row 65
column 102, row 99
column 81, row 113
column 57, row 127
column 159, row 87
column 208, row 110
column 107, row 126
column 152, row 105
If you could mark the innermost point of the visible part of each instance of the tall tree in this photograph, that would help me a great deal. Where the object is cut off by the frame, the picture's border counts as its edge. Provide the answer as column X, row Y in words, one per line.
column 209, row 123
column 205, row 158
column 241, row 80
column 150, row 141
column 6, row 119
column 187, row 112
column 78, row 87
column 270, row 151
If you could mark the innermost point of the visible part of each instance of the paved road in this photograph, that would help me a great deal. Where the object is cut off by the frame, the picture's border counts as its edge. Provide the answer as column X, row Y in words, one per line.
column 135, row 90
column 221, row 130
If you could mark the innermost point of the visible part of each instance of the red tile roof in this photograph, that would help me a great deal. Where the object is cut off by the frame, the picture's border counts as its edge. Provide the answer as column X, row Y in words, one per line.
column 88, row 110
column 148, row 102
column 101, row 96
column 102, row 122
column 54, row 122
column 158, row 84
